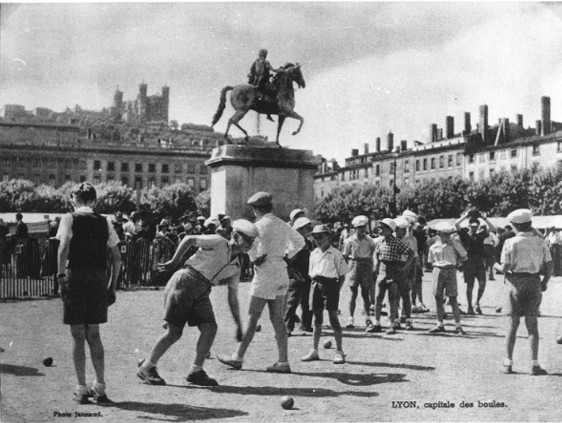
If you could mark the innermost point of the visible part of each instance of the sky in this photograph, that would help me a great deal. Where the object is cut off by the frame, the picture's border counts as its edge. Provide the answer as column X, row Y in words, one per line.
column 370, row 67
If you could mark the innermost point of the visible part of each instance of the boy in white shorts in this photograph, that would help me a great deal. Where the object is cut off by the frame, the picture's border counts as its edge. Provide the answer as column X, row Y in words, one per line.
column 276, row 241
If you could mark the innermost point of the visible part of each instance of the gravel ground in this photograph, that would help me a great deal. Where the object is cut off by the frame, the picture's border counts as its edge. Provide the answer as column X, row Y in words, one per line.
column 410, row 376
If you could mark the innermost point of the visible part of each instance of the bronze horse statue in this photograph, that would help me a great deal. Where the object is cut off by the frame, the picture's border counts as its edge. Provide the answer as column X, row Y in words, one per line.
column 245, row 97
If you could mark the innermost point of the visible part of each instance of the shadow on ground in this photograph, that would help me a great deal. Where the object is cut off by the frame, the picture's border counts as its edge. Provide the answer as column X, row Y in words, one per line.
column 11, row 369
column 392, row 365
column 292, row 391
column 179, row 412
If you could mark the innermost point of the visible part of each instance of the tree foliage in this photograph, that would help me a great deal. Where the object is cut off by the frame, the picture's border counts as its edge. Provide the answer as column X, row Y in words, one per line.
column 172, row 201
column 540, row 191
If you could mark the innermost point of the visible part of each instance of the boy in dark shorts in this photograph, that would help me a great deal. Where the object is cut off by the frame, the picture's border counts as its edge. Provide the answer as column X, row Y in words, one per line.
column 186, row 297
column 524, row 257
column 84, row 238
column 327, row 270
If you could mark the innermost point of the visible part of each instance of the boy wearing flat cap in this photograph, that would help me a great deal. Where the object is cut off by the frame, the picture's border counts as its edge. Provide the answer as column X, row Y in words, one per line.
column 358, row 250
column 445, row 255
column 277, row 241
column 327, row 270
column 186, row 297
column 523, row 259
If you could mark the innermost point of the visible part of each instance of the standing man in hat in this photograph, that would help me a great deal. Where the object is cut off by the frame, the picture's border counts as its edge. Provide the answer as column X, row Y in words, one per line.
column 405, row 284
column 276, row 241
column 523, row 259
column 299, row 281
column 186, row 297
column 389, row 267
column 445, row 255
column 474, row 267
column 358, row 250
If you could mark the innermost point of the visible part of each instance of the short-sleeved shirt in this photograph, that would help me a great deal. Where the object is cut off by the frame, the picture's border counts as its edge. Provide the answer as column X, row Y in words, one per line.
column 211, row 257
column 65, row 228
column 525, row 253
column 391, row 250
column 329, row 263
column 356, row 248
column 446, row 254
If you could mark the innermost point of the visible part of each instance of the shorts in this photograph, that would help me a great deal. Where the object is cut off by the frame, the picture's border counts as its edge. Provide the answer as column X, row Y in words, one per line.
column 186, row 299
column 360, row 274
column 85, row 297
column 270, row 280
column 474, row 269
column 524, row 294
column 445, row 281
column 324, row 294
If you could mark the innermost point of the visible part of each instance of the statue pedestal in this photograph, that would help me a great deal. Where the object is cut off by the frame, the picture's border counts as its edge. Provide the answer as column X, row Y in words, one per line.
column 237, row 172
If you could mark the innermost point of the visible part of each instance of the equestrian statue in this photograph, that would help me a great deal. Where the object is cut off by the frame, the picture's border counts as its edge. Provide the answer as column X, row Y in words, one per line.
column 276, row 97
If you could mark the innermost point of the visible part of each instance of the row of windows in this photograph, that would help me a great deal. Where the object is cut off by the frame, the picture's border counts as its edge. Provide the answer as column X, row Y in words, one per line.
column 138, row 182
column 166, row 168
column 37, row 162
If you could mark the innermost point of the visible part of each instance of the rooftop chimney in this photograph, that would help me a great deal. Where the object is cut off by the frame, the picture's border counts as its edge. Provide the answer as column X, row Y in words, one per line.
column 520, row 120
column 433, row 132
column 450, row 125
column 390, row 139
column 378, row 144
column 483, row 126
column 403, row 145
column 467, row 125
column 366, row 148
column 538, row 131
column 354, row 152
column 334, row 165
column 440, row 134
column 545, row 115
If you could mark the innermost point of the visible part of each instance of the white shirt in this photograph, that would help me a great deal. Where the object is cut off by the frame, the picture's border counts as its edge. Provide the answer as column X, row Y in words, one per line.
column 525, row 253
column 329, row 263
column 65, row 228
column 277, row 240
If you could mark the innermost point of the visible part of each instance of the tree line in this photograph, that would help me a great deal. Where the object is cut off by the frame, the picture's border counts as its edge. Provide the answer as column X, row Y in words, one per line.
column 172, row 201
column 539, row 190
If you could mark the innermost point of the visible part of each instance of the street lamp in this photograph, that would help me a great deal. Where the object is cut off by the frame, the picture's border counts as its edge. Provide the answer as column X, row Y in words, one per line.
column 395, row 189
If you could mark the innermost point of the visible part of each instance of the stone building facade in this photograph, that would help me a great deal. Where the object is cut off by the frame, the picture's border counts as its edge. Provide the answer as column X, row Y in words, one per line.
column 55, row 154
column 473, row 154
column 143, row 109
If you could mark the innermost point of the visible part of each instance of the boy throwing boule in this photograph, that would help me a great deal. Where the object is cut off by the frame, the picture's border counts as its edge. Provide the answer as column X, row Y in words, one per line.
column 186, row 297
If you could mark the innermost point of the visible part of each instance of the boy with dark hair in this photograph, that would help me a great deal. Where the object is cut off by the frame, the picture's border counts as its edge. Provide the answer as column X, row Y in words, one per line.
column 327, row 270
column 524, row 257
column 85, row 237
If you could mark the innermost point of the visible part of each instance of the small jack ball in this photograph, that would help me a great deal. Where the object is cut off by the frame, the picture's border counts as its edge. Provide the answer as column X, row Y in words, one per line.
column 559, row 339
column 328, row 345
column 287, row 402
column 48, row 362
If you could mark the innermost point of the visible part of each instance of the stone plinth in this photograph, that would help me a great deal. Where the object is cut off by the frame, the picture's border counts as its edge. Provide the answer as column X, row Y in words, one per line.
column 237, row 172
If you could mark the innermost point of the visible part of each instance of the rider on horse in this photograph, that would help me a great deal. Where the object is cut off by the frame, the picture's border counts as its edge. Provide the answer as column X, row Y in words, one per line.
column 259, row 75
